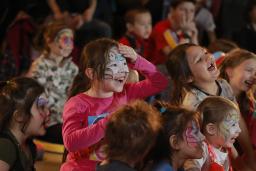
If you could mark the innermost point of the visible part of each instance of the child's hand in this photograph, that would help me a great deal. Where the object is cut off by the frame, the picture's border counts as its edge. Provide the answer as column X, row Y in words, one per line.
column 128, row 52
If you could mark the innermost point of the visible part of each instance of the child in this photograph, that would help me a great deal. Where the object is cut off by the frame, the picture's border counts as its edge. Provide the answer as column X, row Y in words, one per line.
column 239, row 69
column 220, row 125
column 139, row 27
column 55, row 70
column 179, row 140
column 126, row 133
column 102, row 90
column 178, row 28
column 195, row 77
column 23, row 114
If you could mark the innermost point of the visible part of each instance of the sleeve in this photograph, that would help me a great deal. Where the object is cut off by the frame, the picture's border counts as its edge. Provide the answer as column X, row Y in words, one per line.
column 77, row 134
column 197, row 164
column 37, row 71
column 154, row 83
column 124, row 41
column 7, row 151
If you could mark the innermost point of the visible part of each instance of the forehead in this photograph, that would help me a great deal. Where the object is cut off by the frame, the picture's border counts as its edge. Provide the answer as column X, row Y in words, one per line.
column 193, row 124
column 233, row 115
column 143, row 16
column 249, row 63
column 64, row 33
column 193, row 52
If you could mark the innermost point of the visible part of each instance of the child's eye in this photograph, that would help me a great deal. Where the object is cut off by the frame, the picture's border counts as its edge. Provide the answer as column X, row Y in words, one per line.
column 199, row 60
column 113, row 65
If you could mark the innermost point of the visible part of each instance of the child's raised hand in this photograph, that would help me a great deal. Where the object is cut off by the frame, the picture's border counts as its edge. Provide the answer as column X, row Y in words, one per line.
column 128, row 52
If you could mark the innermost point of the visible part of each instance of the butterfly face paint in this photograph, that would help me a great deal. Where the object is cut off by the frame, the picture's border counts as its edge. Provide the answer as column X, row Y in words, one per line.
column 117, row 67
column 64, row 39
column 193, row 135
column 230, row 128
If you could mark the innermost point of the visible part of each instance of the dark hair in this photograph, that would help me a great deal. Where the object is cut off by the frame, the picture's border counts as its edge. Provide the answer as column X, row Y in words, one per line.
column 174, row 122
column 132, row 13
column 18, row 95
column 131, row 131
column 215, row 109
column 175, row 3
column 232, row 60
column 249, row 8
column 179, row 70
column 95, row 56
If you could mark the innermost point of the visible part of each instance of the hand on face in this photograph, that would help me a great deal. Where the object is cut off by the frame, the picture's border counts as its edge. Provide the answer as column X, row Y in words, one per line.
column 188, row 26
column 128, row 52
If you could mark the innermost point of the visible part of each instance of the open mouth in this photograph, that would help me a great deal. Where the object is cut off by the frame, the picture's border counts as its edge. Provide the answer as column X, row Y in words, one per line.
column 212, row 67
column 120, row 80
column 249, row 83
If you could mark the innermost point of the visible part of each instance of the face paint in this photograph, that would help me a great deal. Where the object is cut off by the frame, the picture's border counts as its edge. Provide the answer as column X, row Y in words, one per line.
column 117, row 66
column 230, row 126
column 41, row 104
column 193, row 135
column 64, row 39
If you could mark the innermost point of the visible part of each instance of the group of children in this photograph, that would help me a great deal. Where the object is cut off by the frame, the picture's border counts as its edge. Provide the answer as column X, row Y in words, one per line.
column 107, row 126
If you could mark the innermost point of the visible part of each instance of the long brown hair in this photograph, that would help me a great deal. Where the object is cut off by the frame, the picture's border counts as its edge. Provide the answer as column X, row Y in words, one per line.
column 232, row 60
column 95, row 56
column 179, row 70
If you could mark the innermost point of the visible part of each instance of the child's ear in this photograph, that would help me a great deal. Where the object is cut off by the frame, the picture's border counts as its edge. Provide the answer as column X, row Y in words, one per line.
column 229, row 72
column 89, row 73
column 173, row 140
column 129, row 27
column 17, row 116
column 211, row 129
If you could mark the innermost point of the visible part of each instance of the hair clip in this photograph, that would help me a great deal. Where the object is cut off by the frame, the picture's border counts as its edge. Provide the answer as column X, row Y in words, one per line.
column 162, row 110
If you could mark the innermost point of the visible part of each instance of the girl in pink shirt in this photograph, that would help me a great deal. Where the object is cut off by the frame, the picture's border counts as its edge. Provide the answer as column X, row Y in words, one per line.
column 104, row 71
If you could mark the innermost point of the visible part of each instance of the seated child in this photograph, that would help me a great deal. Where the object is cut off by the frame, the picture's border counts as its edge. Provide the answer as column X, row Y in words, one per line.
column 220, row 125
column 179, row 140
column 23, row 115
column 130, row 133
column 139, row 27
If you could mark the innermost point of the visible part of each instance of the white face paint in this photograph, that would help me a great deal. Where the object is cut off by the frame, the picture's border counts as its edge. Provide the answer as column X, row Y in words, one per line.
column 117, row 67
column 230, row 128
column 64, row 39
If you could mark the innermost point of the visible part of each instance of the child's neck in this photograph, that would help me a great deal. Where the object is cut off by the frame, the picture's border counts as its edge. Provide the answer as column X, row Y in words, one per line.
column 177, row 161
column 209, row 88
column 93, row 92
column 212, row 141
column 56, row 58
column 20, row 137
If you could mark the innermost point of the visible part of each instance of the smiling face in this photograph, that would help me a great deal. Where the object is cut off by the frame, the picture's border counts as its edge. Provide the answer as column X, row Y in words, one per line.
column 116, row 72
column 243, row 76
column 64, row 42
column 202, row 65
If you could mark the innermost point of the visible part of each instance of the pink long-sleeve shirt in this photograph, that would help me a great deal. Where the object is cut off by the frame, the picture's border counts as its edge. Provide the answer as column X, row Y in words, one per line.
column 85, row 117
